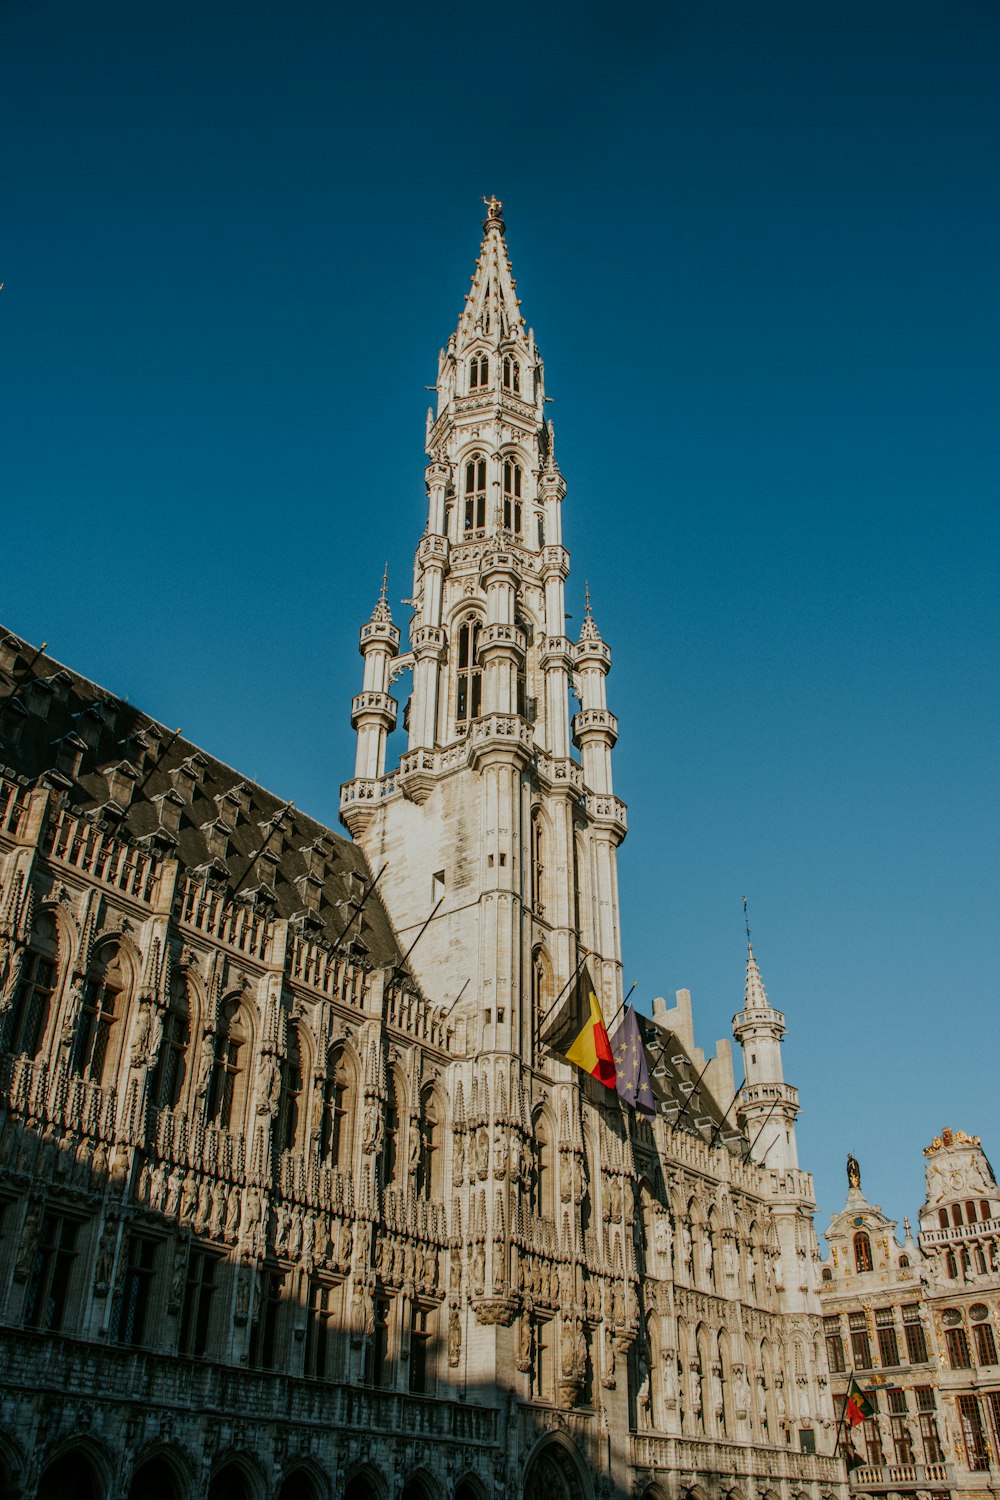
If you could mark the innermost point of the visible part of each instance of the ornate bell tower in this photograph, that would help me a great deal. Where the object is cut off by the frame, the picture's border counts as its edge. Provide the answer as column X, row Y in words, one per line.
column 489, row 822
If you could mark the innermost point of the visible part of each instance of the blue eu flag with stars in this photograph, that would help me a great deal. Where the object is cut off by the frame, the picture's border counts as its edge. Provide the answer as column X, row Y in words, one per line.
column 631, row 1068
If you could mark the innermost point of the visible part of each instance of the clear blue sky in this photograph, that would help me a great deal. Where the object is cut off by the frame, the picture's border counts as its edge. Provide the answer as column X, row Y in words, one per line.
column 759, row 246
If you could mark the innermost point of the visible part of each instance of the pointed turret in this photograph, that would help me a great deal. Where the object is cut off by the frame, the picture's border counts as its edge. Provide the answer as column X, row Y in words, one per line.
column 373, row 711
column 595, row 729
column 769, row 1105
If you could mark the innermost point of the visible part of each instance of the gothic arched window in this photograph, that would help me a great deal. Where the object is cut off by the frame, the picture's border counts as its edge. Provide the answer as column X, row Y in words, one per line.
column 430, row 1181
column 537, row 865
column 171, row 1066
column 97, row 1032
column 475, row 493
column 390, row 1149
column 337, row 1133
column 542, row 1183
column 512, row 496
column 290, row 1105
column 228, row 1085
column 862, row 1252
column 511, row 375
column 469, row 683
column 39, row 972
column 479, row 372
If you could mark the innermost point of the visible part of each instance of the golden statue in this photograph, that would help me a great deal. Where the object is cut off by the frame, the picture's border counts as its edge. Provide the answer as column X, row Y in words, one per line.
column 853, row 1171
column 494, row 208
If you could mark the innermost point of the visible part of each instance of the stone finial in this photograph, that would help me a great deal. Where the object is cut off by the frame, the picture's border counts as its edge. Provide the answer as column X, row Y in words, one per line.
column 381, row 614
column 588, row 630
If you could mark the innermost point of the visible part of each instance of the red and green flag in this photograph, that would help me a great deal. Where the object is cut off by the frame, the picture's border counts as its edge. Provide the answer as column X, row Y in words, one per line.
column 580, row 1036
column 857, row 1407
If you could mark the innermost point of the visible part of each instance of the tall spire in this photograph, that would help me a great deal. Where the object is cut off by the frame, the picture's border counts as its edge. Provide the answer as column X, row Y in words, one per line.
column 491, row 307
column 493, row 669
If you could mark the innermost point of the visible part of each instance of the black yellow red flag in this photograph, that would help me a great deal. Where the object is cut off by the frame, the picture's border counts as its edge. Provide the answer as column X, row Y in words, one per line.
column 578, row 1032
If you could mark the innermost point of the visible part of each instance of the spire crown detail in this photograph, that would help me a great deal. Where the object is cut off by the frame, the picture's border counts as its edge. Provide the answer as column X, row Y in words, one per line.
column 381, row 614
column 754, row 995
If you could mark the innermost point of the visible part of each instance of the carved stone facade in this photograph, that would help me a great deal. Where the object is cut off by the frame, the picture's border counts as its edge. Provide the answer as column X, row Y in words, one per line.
column 919, row 1324
column 294, row 1201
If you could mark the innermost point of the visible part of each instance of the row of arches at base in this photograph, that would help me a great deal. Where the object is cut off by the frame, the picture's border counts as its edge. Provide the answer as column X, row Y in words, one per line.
column 554, row 1471
column 75, row 1475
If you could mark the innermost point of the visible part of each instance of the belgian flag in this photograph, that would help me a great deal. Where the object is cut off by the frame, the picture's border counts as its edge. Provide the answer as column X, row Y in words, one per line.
column 857, row 1407
column 579, row 1035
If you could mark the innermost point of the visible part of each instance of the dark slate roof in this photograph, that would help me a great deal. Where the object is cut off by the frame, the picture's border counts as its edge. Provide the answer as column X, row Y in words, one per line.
column 150, row 786
column 671, row 1071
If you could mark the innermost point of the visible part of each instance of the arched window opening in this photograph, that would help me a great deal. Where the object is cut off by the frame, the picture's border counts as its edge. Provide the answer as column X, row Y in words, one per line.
column 30, row 1016
column 542, row 1184
column 290, row 1105
column 904, row 1262
column 951, row 1266
column 360, row 1487
column 479, row 372
column 511, row 375
column 230, row 1483
column 297, row 1486
column 943, row 1218
column 862, row 1252
column 94, row 1052
column 970, row 1213
column 430, row 1169
column 171, row 1065
column 154, row 1480
column 537, row 865
column 475, row 493
column 719, row 1371
column 337, row 1134
column 956, row 1215
column 70, row 1477
column 225, row 1095
column 390, row 1148
column 512, row 496
column 469, row 685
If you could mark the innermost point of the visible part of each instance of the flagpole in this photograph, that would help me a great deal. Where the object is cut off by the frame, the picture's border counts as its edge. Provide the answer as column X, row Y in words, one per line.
column 608, row 1024
column 398, row 968
column 718, row 1129
column 843, row 1414
column 359, row 906
column 570, row 980
column 760, row 1132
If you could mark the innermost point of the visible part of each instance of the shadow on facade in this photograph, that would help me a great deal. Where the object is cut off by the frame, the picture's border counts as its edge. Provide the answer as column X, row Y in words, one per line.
column 99, row 1418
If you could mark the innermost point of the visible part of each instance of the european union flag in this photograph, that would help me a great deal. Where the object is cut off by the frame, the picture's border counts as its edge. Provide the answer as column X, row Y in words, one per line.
column 631, row 1068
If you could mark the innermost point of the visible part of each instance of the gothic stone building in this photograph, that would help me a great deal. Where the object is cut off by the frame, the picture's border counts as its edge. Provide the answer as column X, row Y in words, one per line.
column 294, row 1201
column 917, row 1323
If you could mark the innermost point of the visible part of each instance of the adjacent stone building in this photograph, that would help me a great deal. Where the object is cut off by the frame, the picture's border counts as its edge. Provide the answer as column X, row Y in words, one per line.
column 295, row 1201
column 917, row 1324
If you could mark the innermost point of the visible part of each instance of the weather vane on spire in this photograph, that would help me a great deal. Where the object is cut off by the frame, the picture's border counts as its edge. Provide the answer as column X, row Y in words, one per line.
column 746, row 922
column 494, row 208
column 586, row 600
column 384, row 591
